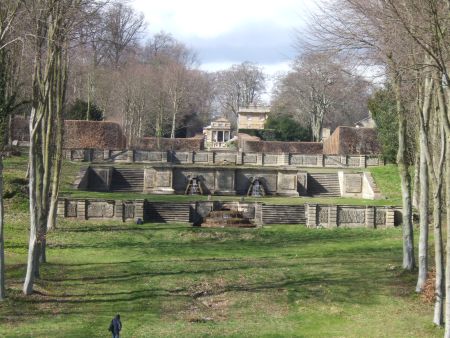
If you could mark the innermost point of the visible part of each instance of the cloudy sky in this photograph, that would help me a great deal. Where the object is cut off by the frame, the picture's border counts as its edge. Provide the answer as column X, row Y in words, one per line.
column 228, row 32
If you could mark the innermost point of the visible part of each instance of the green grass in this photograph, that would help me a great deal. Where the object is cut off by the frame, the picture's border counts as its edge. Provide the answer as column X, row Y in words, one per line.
column 388, row 181
column 178, row 281
column 386, row 178
column 172, row 280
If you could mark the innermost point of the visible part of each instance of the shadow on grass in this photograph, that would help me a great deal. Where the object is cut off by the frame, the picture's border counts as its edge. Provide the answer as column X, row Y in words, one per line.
column 342, row 266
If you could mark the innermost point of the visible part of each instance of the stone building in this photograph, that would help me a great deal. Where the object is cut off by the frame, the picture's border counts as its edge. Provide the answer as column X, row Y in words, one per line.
column 252, row 117
column 217, row 134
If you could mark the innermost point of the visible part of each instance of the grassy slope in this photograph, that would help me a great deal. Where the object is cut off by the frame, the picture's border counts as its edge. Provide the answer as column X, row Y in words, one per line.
column 174, row 280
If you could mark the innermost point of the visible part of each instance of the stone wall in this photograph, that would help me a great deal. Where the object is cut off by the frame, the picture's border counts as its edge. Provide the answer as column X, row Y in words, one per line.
column 100, row 209
column 222, row 158
column 331, row 216
column 358, row 185
column 316, row 215
column 223, row 180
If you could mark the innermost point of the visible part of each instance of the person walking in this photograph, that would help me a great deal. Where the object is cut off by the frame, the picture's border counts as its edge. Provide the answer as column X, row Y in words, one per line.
column 115, row 326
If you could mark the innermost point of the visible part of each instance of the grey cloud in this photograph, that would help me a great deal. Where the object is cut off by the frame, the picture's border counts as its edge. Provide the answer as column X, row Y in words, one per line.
column 259, row 43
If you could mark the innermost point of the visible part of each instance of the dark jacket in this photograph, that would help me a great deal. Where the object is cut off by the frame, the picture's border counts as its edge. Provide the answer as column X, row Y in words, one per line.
column 115, row 325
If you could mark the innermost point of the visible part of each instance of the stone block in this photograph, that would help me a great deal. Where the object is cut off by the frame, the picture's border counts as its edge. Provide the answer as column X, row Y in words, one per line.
column 224, row 184
column 70, row 208
column 390, row 217
column 311, row 215
column 259, row 158
column 119, row 156
column 119, row 210
column 370, row 217
column 139, row 209
column 61, row 208
column 239, row 158
column 287, row 184
column 130, row 156
column 332, row 216
column 250, row 158
column 100, row 209
column 81, row 209
column 352, row 216
column 302, row 183
column 270, row 159
column 296, row 160
column 225, row 158
column 158, row 180
column 352, row 183
column 200, row 157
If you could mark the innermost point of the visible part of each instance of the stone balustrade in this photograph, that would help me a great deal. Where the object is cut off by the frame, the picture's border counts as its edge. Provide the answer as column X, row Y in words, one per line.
column 222, row 158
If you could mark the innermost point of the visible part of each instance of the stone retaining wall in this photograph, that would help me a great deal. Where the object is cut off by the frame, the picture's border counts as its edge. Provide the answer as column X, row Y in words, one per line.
column 331, row 216
column 222, row 158
column 316, row 215
column 88, row 209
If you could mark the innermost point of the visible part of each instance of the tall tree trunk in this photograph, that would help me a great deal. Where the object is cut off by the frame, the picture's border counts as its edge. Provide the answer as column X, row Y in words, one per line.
column 424, row 112
column 2, row 240
column 447, row 266
column 416, row 191
column 408, row 230
column 438, row 317
column 436, row 170
column 61, row 68
column 33, row 244
column 423, row 222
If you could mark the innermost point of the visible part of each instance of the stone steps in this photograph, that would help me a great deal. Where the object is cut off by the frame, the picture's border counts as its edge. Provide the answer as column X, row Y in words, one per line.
column 127, row 179
column 283, row 214
column 324, row 185
column 165, row 212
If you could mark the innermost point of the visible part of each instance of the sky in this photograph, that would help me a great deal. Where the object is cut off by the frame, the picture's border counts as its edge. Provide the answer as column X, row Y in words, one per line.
column 233, row 31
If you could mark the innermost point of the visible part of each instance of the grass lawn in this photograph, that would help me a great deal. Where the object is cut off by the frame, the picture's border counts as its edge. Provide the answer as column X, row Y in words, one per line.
column 178, row 281
column 172, row 280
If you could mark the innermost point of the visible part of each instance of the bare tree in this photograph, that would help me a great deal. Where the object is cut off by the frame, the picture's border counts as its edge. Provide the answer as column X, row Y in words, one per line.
column 53, row 22
column 239, row 86
column 8, row 13
column 321, row 89
column 121, row 29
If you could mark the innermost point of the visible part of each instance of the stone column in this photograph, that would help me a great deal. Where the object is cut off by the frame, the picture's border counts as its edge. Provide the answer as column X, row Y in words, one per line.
column 362, row 161
column 370, row 217
column 211, row 155
column 320, row 161
column 190, row 157
column 81, row 209
column 259, row 159
column 390, row 217
column 332, row 216
column 239, row 158
column 61, row 208
column 283, row 159
column 118, row 210
column 311, row 215
column 138, row 210
column 106, row 155
column 130, row 156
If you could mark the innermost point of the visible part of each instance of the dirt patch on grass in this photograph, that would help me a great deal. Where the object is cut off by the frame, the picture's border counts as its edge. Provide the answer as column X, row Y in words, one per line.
column 428, row 295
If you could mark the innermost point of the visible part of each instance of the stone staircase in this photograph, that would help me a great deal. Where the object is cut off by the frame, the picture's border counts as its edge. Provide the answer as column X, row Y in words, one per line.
column 127, row 179
column 165, row 212
column 283, row 214
column 324, row 185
